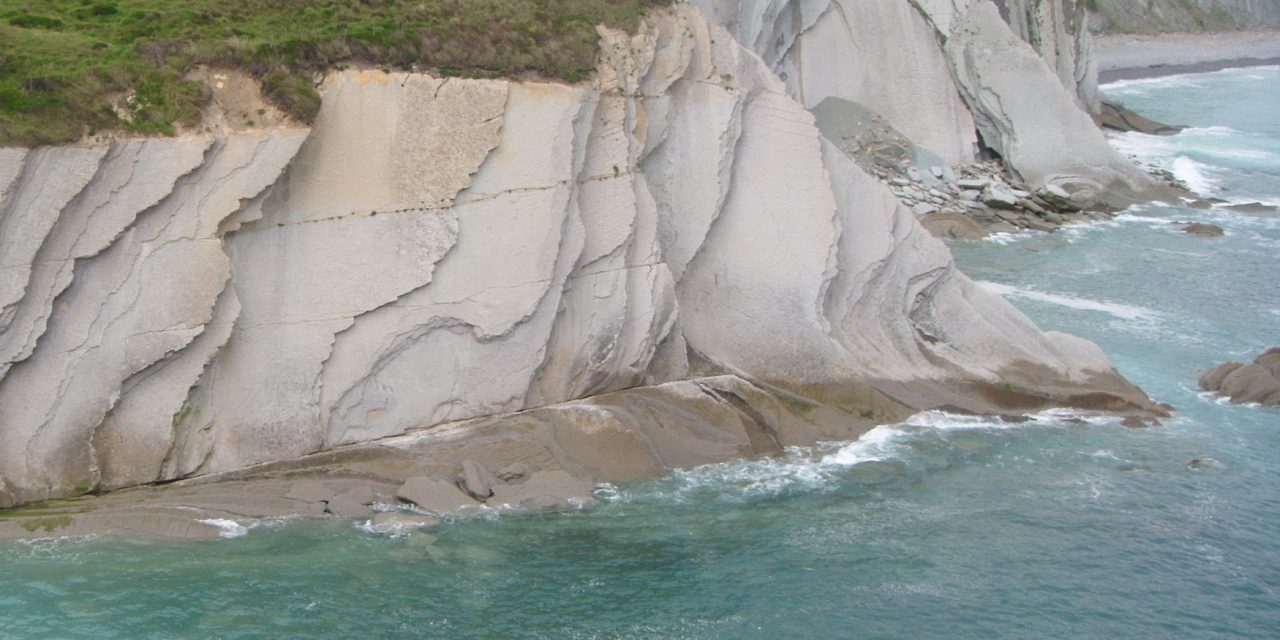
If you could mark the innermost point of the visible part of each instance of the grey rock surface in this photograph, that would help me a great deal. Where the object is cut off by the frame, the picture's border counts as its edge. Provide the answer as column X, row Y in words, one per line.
column 434, row 495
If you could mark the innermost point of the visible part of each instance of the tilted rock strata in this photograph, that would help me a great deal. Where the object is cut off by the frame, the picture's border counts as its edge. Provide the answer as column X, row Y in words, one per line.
column 442, row 250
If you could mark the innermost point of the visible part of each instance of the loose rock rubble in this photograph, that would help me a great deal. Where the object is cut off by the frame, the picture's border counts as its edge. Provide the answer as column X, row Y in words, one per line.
column 972, row 201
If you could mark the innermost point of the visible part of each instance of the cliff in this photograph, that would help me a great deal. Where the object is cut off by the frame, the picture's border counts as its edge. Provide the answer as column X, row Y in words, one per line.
column 671, row 262
column 1125, row 16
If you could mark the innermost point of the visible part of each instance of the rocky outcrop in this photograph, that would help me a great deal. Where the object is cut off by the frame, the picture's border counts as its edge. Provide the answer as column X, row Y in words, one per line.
column 1059, row 32
column 441, row 251
column 1021, row 73
column 1255, row 383
column 1118, row 118
column 1024, row 112
column 1125, row 16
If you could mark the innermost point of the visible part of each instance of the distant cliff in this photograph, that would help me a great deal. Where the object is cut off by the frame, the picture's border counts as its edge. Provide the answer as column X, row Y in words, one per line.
column 1147, row 16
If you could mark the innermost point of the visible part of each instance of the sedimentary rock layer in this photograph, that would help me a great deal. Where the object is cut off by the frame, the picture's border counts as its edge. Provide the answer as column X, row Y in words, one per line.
column 443, row 250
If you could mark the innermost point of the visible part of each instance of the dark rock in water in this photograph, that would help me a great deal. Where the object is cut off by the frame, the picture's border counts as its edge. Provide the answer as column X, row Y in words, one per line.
column 954, row 226
column 1212, row 379
column 1258, row 382
column 1199, row 204
column 1118, row 118
column 1134, row 422
column 1205, row 230
column 1195, row 464
column 1251, row 207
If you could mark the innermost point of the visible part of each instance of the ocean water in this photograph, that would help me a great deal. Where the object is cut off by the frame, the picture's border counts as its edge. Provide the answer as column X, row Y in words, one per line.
column 941, row 527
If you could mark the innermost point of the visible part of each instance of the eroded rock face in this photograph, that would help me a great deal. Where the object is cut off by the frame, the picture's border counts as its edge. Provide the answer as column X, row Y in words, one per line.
column 1025, row 113
column 437, row 251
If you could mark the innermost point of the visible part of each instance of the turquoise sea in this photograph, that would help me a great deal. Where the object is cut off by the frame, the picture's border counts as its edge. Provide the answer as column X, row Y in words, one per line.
column 943, row 527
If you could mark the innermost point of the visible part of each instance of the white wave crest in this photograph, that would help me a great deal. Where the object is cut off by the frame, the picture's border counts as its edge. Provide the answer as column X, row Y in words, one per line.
column 1193, row 174
column 1121, row 311
column 227, row 528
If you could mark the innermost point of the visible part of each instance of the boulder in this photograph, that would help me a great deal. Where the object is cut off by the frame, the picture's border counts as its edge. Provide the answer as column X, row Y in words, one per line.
column 476, row 481
column 923, row 209
column 398, row 522
column 1212, row 379
column 999, row 197
column 1134, row 422
column 1251, row 383
column 543, row 490
column 1271, row 360
column 515, row 473
column 1257, row 382
column 345, row 506
column 1204, row 230
column 434, row 495
column 1058, row 198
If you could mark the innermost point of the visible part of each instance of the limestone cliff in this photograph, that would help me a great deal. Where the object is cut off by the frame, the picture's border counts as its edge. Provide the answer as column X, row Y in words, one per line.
column 436, row 250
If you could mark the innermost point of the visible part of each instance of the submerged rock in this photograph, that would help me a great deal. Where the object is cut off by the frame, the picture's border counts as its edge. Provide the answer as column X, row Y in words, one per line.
column 544, row 490
column 1251, row 207
column 399, row 522
column 1201, row 229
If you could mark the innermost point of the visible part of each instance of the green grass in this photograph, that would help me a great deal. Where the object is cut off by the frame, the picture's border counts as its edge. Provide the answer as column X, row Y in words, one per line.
column 63, row 62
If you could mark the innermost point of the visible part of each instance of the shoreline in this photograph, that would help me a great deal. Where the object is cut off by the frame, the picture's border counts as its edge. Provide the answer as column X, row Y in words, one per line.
column 1142, row 56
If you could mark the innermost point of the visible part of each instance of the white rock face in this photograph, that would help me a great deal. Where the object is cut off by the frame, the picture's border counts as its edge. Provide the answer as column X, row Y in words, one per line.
column 1059, row 32
column 879, row 54
column 1022, row 109
column 441, row 250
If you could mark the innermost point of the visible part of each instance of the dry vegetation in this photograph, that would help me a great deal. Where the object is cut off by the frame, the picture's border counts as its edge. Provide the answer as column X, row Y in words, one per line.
column 66, row 65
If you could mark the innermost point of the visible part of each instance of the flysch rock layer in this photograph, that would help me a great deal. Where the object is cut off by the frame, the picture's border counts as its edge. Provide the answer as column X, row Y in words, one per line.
column 446, row 251
column 1025, row 113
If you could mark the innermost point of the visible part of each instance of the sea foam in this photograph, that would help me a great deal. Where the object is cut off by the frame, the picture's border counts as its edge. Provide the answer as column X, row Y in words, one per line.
column 1121, row 311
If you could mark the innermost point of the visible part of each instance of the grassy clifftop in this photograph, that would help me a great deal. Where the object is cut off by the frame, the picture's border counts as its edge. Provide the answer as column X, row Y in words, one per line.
column 68, row 65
